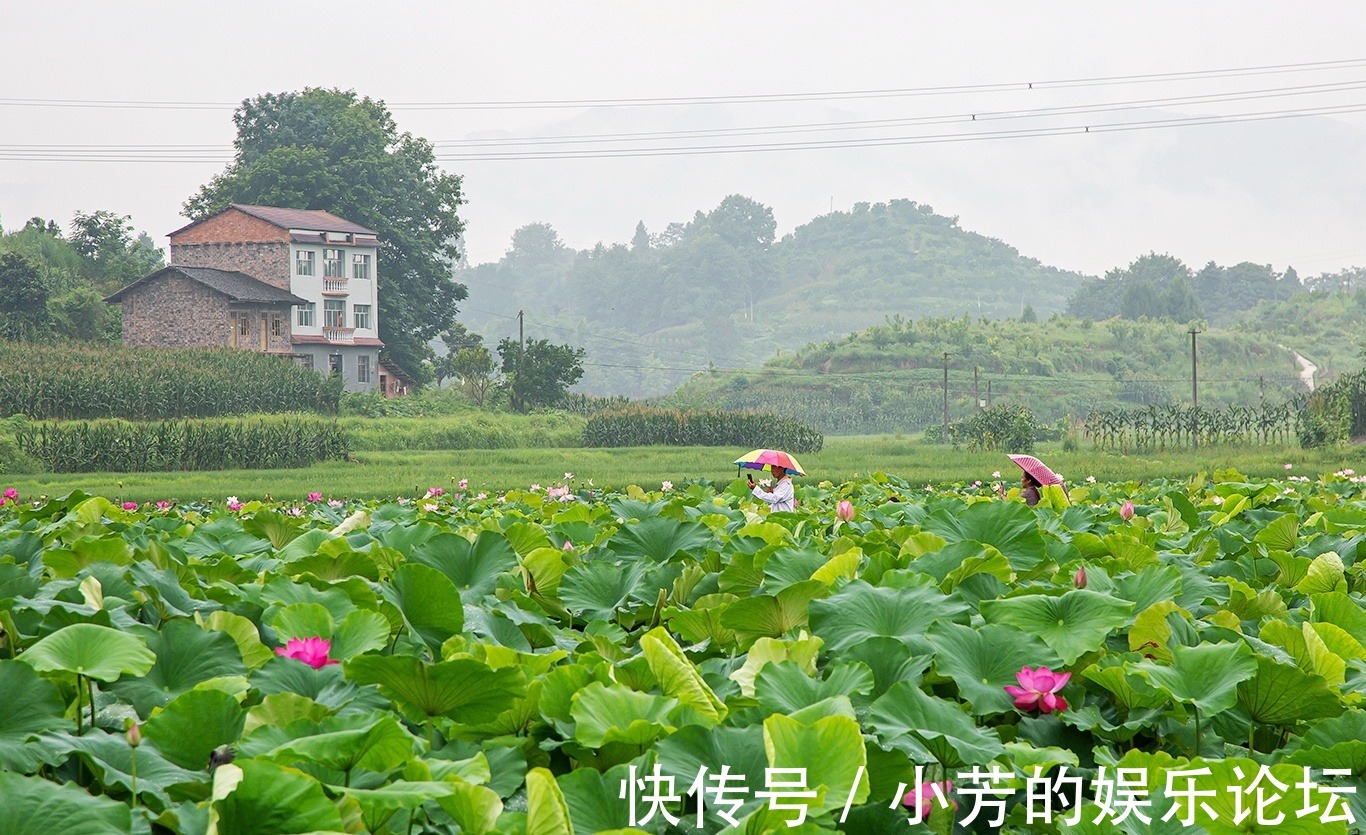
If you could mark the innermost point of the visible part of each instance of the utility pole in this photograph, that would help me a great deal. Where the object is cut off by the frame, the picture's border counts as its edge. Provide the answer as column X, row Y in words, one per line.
column 1195, row 393
column 521, row 338
column 945, row 436
column 988, row 394
column 1261, row 385
column 976, row 393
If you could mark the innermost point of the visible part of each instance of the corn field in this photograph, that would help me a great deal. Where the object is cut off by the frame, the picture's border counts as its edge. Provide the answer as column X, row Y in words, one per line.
column 1177, row 427
column 644, row 426
column 277, row 442
column 76, row 382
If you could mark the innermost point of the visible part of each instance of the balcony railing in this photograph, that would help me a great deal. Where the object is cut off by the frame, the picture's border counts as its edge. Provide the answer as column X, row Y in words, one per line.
column 345, row 335
column 335, row 286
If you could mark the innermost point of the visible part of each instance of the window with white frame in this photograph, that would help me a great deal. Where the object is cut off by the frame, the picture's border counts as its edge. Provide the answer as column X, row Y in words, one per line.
column 306, row 315
column 332, row 263
column 360, row 266
column 363, row 368
column 303, row 262
column 334, row 313
column 362, row 314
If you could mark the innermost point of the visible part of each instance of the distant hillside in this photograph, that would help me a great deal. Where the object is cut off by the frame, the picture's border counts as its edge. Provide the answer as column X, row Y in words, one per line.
column 888, row 378
column 720, row 289
column 1326, row 326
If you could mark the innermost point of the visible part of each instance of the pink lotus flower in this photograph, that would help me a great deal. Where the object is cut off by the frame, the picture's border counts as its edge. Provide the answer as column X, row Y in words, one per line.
column 134, row 733
column 481, row 497
column 666, row 486
column 928, row 795
column 433, row 492
column 845, row 511
column 1126, row 511
column 1290, row 466
column 130, row 505
column 234, row 504
column 568, row 476
column 334, row 503
column 464, row 483
column 1079, row 579
column 567, row 546
column 163, row 505
column 1038, row 690
column 311, row 651
column 315, row 497
column 535, row 488
column 12, row 494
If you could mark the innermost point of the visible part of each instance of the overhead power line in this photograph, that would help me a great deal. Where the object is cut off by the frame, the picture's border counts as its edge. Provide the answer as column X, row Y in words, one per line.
column 757, row 98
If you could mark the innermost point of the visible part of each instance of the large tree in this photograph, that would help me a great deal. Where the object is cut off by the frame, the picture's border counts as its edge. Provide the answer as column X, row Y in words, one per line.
column 539, row 374
column 336, row 151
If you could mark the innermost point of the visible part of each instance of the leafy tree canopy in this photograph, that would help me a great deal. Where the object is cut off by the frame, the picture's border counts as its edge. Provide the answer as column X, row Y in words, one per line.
column 539, row 375
column 342, row 153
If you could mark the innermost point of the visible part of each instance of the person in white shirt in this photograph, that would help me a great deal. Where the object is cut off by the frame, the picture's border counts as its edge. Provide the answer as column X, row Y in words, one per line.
column 779, row 493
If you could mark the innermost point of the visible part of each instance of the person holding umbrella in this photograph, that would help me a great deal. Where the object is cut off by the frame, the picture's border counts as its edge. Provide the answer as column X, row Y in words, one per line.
column 1035, row 474
column 778, row 495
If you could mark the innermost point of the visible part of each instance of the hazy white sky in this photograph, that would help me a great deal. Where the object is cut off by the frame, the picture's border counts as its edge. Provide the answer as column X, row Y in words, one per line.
column 1283, row 191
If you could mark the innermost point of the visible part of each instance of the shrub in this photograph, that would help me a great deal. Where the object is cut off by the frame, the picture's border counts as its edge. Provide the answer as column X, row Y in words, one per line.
column 82, row 382
column 274, row 442
column 647, row 426
column 474, row 430
column 1005, row 426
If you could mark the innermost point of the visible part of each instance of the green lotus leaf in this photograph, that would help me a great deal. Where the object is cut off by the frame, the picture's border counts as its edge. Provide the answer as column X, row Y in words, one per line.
column 244, row 633
column 358, row 633
column 604, row 714
column 474, row 567
column 1304, row 645
column 1153, row 584
column 474, row 808
column 1325, row 574
column 326, row 686
column 596, row 590
column 546, row 810
column 381, row 803
column 1339, row 609
column 1009, row 527
column 594, row 799
column 1283, row 806
column 32, row 706
column 301, row 620
column 659, row 538
column 86, row 649
column 269, row 798
column 185, row 656
column 1073, row 624
column 1206, row 676
column 983, row 661
column 429, row 602
column 687, row 752
column 1128, row 690
column 908, row 719
column 381, row 746
column 464, row 689
column 33, row 806
column 678, row 677
column 784, row 687
column 1280, row 694
column 1281, row 534
column 859, row 612
column 830, row 750
column 110, row 758
column 87, row 551
column 771, row 616
column 193, row 724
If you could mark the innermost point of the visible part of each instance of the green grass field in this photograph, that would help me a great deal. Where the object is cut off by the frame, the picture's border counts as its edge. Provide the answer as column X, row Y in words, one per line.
column 386, row 474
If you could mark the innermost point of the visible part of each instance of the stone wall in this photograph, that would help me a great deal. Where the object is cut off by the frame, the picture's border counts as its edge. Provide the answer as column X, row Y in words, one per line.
column 175, row 312
column 275, row 344
column 265, row 262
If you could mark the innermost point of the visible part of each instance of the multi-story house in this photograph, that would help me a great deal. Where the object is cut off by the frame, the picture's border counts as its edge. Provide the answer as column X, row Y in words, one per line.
column 291, row 281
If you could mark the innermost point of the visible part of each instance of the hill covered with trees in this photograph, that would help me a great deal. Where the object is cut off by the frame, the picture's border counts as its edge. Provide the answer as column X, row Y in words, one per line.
column 723, row 290
column 889, row 377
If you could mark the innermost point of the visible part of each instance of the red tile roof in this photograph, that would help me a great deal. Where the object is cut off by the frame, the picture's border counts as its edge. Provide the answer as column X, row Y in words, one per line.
column 313, row 219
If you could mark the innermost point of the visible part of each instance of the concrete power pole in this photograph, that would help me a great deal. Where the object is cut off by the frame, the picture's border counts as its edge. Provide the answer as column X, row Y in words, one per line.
column 1195, row 393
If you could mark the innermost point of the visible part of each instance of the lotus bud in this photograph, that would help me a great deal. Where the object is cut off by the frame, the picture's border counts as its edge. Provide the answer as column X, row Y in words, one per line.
column 845, row 511
column 567, row 546
column 134, row 733
column 1126, row 511
column 1079, row 579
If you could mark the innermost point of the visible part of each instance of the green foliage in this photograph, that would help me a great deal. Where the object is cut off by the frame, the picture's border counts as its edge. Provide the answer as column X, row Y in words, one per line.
column 539, row 373
column 471, row 430
column 1174, row 427
column 1162, row 287
column 1007, row 427
column 70, row 381
column 208, row 444
column 343, row 153
column 648, row 426
column 23, row 299
column 1336, row 413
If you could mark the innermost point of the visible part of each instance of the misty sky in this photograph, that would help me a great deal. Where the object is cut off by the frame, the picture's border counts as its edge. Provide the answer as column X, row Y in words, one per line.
column 1289, row 191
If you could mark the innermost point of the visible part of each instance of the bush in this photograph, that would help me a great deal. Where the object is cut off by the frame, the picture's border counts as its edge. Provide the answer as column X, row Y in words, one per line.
column 82, row 382
column 1335, row 413
column 475, row 430
column 274, row 442
column 646, row 426
column 1006, row 426
column 428, row 402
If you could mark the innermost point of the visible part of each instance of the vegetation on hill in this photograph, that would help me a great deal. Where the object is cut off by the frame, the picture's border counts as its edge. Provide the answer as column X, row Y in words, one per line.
column 1325, row 325
column 889, row 377
column 723, row 289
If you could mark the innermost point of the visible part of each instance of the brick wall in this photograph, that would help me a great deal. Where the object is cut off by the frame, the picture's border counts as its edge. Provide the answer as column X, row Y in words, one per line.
column 230, row 225
column 266, row 262
column 280, row 344
column 175, row 312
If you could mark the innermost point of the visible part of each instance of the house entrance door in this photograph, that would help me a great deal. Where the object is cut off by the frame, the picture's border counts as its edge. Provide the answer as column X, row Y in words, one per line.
column 265, row 333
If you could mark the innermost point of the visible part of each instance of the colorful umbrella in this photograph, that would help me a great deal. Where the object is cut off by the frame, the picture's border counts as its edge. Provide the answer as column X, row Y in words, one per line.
column 760, row 458
column 1036, row 468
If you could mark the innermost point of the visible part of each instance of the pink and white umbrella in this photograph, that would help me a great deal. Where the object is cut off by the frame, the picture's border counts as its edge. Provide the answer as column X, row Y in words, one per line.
column 1036, row 468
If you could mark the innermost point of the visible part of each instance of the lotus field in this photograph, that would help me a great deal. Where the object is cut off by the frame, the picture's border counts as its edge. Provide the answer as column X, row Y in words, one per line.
column 1150, row 658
